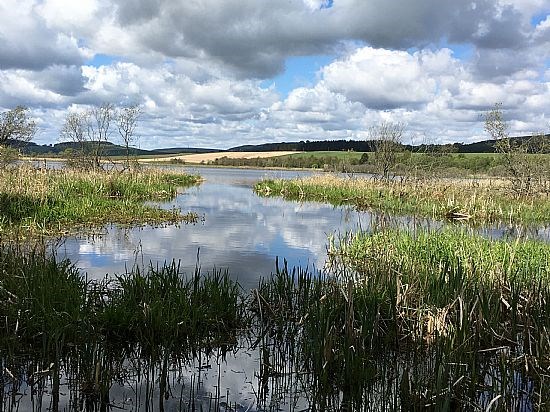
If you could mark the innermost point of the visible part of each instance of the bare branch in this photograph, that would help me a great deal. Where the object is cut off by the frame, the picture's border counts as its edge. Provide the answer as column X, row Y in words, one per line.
column 127, row 119
column 386, row 138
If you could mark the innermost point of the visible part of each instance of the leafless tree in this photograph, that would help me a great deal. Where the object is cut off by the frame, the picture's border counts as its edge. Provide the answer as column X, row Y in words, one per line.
column 386, row 138
column 524, row 170
column 90, row 130
column 15, row 124
column 99, row 129
column 127, row 119
column 75, row 129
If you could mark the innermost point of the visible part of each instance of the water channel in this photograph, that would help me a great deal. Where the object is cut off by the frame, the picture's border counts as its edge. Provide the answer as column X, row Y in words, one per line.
column 237, row 230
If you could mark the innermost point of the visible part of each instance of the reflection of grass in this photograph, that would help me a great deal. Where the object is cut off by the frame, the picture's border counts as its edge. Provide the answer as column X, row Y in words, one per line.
column 52, row 201
column 461, row 199
column 56, row 323
column 434, row 320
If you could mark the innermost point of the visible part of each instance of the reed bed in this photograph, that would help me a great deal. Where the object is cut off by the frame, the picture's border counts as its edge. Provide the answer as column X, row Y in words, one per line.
column 43, row 201
column 58, row 329
column 163, row 309
column 429, row 320
column 467, row 200
column 426, row 321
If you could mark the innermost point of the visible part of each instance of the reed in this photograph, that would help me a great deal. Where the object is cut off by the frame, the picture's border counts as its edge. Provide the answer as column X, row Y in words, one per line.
column 35, row 201
column 160, row 310
column 58, row 329
column 430, row 320
column 466, row 200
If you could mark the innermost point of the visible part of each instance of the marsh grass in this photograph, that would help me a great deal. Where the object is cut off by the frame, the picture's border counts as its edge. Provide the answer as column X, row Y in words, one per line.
column 430, row 320
column 43, row 201
column 479, row 202
column 426, row 321
column 160, row 308
column 58, row 329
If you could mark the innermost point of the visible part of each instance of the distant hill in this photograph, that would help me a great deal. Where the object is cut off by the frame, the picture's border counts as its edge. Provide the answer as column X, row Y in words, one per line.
column 178, row 150
column 109, row 149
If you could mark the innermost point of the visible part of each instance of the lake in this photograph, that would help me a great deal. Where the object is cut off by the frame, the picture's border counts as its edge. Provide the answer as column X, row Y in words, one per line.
column 237, row 230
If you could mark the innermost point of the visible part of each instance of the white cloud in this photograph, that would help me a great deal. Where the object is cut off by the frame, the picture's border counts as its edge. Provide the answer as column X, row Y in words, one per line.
column 196, row 66
column 384, row 79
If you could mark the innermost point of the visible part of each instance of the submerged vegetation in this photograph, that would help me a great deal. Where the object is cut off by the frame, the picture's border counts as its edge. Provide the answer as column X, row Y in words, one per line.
column 44, row 201
column 479, row 201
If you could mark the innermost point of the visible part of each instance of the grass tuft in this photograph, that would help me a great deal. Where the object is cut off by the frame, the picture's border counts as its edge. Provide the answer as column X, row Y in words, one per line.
column 468, row 200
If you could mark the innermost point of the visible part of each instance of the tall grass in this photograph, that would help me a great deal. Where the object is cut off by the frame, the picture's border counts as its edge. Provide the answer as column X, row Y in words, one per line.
column 432, row 320
column 53, row 201
column 58, row 327
column 162, row 309
column 474, row 201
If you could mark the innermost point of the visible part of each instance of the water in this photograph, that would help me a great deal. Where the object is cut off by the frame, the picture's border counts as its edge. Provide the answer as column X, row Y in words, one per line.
column 237, row 230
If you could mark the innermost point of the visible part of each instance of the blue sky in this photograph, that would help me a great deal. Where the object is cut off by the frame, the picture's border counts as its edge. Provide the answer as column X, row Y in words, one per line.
column 301, row 71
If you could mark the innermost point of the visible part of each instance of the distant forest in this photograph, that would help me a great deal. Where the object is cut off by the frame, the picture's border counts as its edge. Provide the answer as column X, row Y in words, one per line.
column 110, row 149
column 486, row 146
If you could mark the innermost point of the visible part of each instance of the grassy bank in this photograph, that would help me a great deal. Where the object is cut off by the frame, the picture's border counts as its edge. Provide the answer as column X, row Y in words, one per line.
column 408, row 163
column 34, row 201
column 478, row 202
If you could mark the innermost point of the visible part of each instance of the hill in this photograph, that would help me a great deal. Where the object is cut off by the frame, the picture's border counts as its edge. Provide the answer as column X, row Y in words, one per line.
column 109, row 149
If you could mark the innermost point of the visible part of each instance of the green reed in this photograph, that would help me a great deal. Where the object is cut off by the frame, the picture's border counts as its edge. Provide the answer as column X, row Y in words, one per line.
column 476, row 201
column 34, row 201
column 435, row 320
column 58, row 327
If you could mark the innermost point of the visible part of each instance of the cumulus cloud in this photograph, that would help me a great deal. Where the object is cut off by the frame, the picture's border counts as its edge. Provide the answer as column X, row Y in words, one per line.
column 384, row 79
column 253, row 37
column 197, row 66
column 28, row 43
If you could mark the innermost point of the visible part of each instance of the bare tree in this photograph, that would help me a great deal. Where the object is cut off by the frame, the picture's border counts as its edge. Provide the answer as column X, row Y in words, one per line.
column 75, row 129
column 15, row 124
column 526, row 174
column 127, row 119
column 90, row 130
column 386, row 138
column 99, row 129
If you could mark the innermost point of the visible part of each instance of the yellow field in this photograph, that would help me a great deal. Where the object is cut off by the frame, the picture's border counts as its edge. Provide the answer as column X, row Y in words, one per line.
column 206, row 157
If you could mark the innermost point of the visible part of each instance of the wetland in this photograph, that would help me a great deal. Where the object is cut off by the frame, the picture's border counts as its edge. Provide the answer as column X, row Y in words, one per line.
column 264, row 303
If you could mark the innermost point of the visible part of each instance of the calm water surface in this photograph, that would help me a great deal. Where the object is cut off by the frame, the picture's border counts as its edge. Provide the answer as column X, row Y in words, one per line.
column 237, row 230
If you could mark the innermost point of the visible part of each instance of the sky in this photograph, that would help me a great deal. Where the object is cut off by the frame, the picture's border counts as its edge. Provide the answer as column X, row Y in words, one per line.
column 222, row 73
